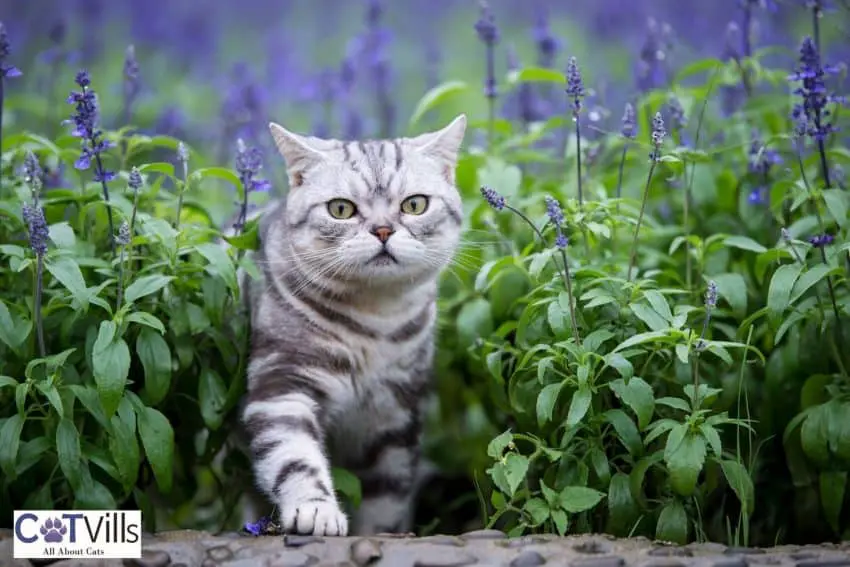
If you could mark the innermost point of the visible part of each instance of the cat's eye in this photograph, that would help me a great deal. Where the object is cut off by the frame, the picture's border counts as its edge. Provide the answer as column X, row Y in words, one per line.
column 341, row 208
column 414, row 205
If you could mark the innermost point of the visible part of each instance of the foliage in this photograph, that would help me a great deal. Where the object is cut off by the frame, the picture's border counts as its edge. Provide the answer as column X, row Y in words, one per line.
column 640, row 335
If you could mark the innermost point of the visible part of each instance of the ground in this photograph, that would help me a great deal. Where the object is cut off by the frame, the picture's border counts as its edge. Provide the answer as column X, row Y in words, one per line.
column 483, row 547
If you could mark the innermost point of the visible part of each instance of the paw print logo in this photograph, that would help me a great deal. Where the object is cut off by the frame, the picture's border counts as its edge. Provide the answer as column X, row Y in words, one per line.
column 53, row 530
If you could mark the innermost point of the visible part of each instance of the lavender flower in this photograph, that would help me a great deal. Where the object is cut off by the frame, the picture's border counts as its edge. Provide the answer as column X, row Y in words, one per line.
column 249, row 163
column 33, row 174
column 6, row 70
column 259, row 527
column 711, row 295
column 821, row 240
column 575, row 85
column 553, row 211
column 654, row 56
column 488, row 33
column 37, row 226
column 132, row 84
column 757, row 196
column 493, row 198
column 547, row 44
column 85, row 120
column 658, row 133
column 678, row 120
column 123, row 238
column 134, row 181
column 811, row 73
column 629, row 123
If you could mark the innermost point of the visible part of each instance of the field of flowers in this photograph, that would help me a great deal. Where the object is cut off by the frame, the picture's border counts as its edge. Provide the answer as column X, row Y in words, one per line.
column 644, row 333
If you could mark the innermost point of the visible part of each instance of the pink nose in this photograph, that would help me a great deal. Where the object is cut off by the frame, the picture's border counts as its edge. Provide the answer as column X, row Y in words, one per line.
column 383, row 233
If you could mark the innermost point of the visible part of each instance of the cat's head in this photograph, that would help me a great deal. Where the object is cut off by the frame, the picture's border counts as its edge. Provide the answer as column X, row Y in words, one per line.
column 381, row 211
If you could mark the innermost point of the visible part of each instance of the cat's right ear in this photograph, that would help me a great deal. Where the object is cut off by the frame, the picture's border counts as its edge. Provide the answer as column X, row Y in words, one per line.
column 297, row 152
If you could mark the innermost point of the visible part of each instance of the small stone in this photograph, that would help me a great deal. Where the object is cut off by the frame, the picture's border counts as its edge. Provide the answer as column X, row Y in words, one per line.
column 663, row 562
column 220, row 553
column 670, row 551
column 365, row 552
column 522, row 541
column 608, row 561
column 484, row 534
column 743, row 551
column 150, row 558
column 825, row 562
column 592, row 547
column 287, row 559
column 528, row 558
column 728, row 562
column 295, row 540
column 442, row 540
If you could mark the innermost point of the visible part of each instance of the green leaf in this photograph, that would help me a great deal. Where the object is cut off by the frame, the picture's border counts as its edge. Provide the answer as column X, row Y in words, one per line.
column 68, row 451
column 216, row 173
column 146, row 319
column 155, row 356
column 579, row 405
column 744, row 243
column 537, row 509
column 7, row 382
column 516, row 467
column 626, row 430
column 621, row 364
column 733, row 288
column 474, row 320
column 501, row 175
column 814, row 435
column 833, row 485
column 779, row 291
column 575, row 499
column 638, row 396
column 220, row 263
column 92, row 494
column 712, row 438
column 52, row 394
column 110, row 365
column 145, row 285
column 13, row 331
column 90, row 400
column 685, row 462
column 676, row 403
column 546, row 401
column 808, row 279
column 837, row 203
column 158, row 441
column 623, row 511
column 10, row 439
column 739, row 480
column 212, row 394
column 498, row 444
column 435, row 97
column 536, row 75
column 673, row 525
column 348, row 484
column 63, row 235
column 647, row 314
column 561, row 521
column 123, row 445
column 67, row 272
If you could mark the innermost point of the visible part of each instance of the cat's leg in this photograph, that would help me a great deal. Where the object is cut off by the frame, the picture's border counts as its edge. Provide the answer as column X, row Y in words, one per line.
column 388, row 470
column 290, row 464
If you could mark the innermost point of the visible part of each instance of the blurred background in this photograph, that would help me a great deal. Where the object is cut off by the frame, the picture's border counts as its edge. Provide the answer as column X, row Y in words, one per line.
column 211, row 72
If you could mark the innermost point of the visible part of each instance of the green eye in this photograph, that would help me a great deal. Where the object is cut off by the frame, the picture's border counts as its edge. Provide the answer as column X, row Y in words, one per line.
column 415, row 205
column 341, row 208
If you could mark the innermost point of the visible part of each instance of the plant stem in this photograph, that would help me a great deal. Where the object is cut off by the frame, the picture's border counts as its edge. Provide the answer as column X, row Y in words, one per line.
column 183, row 190
column 120, row 281
column 838, row 327
column 823, row 164
column 578, row 160
column 100, row 172
column 1, row 129
column 619, row 191
column 808, row 187
column 39, row 322
column 569, row 287
column 640, row 219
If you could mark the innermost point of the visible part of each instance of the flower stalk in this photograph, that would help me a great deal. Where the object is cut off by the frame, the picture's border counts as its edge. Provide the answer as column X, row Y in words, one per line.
column 658, row 133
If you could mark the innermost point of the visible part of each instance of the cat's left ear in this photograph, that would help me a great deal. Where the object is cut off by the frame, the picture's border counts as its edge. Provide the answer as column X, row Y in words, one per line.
column 444, row 145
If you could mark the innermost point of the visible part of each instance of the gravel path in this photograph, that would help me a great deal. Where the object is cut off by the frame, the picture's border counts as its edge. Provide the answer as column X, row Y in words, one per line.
column 484, row 547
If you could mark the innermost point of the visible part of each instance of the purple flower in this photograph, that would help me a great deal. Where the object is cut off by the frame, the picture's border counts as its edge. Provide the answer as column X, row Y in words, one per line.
column 711, row 295
column 37, row 226
column 123, row 238
column 249, row 163
column 757, row 196
column 259, row 527
column 575, row 85
column 658, row 133
column 678, row 120
column 493, row 198
column 33, row 174
column 811, row 73
column 629, row 122
column 85, row 120
column 547, row 44
column 821, row 240
column 561, row 241
column 6, row 71
column 132, row 84
column 134, row 181
column 488, row 33
column 553, row 211
column 654, row 56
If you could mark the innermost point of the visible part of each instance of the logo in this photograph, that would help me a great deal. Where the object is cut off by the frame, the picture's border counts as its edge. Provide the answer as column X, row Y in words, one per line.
column 91, row 534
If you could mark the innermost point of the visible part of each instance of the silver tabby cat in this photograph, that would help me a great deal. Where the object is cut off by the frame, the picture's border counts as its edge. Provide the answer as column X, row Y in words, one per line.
column 343, row 323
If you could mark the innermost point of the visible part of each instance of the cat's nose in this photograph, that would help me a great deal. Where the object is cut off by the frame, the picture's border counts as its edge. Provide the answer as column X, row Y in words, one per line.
column 383, row 233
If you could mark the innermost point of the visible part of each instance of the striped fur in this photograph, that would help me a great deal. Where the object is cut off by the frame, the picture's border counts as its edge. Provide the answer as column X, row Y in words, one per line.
column 343, row 325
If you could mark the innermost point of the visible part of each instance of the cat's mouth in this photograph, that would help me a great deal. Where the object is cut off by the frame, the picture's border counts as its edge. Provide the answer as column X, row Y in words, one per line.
column 383, row 258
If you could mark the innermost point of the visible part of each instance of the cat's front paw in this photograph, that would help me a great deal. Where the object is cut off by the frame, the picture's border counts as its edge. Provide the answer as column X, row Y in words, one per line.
column 321, row 518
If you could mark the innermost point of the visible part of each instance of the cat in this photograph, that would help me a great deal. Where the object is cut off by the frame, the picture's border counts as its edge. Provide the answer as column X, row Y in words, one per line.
column 343, row 324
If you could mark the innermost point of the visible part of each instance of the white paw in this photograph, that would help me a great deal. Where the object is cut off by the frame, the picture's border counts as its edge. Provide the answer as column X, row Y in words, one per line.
column 322, row 518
